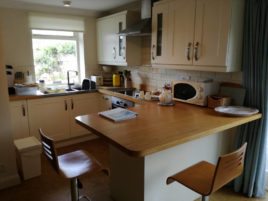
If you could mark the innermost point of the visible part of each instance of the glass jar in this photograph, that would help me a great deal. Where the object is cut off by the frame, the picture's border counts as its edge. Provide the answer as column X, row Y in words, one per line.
column 116, row 80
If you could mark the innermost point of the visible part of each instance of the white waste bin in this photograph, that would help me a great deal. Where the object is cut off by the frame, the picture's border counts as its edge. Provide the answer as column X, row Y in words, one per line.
column 28, row 157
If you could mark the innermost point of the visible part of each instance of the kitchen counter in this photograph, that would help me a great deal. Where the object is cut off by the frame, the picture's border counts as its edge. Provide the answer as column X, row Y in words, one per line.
column 39, row 95
column 161, row 141
column 160, row 127
column 111, row 91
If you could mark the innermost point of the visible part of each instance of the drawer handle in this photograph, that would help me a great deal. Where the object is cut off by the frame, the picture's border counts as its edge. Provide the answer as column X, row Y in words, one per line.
column 23, row 110
column 196, row 51
column 65, row 105
column 188, row 51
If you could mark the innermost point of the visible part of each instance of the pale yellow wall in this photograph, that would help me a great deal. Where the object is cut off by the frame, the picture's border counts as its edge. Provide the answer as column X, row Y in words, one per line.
column 17, row 43
column 91, row 62
column 8, row 171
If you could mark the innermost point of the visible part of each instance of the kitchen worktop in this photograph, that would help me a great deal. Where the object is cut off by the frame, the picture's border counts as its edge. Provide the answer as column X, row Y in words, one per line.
column 39, row 95
column 113, row 91
column 160, row 127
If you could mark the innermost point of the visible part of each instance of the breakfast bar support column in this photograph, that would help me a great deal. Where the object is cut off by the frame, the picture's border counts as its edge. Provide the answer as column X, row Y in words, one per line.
column 127, row 176
column 144, row 178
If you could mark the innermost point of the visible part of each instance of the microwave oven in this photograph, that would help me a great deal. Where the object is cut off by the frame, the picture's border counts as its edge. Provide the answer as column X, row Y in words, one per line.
column 194, row 92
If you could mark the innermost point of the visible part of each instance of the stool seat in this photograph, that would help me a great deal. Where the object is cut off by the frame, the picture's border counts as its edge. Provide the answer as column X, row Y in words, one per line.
column 76, row 163
column 198, row 177
column 70, row 165
column 206, row 178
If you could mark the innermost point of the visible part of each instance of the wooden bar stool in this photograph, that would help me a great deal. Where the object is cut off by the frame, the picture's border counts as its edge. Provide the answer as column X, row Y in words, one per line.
column 70, row 165
column 206, row 178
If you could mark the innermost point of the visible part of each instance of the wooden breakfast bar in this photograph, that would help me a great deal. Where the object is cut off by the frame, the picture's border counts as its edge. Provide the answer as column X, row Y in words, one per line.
column 161, row 141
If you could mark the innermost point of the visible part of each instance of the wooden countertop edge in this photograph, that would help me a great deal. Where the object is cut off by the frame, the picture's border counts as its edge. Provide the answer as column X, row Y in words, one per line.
column 129, row 152
column 119, row 95
column 142, row 153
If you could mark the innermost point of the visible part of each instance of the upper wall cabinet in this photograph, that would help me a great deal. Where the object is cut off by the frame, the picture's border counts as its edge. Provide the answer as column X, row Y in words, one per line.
column 203, row 35
column 114, row 49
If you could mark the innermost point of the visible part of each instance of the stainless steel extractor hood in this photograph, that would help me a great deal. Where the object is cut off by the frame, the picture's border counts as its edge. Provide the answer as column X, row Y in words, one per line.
column 144, row 27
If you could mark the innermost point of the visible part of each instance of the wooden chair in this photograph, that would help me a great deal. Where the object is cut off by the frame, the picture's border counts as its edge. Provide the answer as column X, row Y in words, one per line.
column 70, row 165
column 206, row 178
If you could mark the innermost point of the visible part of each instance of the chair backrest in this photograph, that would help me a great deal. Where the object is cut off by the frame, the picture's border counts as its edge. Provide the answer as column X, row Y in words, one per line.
column 229, row 167
column 48, row 148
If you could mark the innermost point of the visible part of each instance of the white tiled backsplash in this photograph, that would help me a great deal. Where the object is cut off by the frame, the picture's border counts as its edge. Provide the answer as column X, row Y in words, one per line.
column 154, row 78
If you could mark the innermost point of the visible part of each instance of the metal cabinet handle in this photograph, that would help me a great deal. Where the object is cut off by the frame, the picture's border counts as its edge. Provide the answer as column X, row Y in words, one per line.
column 124, row 52
column 72, row 104
column 23, row 110
column 153, row 48
column 188, row 50
column 65, row 105
column 196, row 51
column 114, row 52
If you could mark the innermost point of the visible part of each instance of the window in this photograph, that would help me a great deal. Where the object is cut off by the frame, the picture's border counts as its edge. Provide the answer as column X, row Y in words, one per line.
column 55, row 53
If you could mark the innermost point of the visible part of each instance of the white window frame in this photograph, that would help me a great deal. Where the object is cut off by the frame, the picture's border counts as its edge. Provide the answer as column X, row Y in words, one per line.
column 79, row 45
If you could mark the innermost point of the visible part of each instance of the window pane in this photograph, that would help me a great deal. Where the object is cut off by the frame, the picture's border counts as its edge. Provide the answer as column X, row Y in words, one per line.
column 52, row 33
column 53, row 58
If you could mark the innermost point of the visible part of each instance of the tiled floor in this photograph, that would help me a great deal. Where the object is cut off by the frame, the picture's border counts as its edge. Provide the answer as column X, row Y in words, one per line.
column 52, row 187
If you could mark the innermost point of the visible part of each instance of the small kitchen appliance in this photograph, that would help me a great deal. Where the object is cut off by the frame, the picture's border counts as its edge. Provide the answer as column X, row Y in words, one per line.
column 97, row 79
column 194, row 91
column 87, row 84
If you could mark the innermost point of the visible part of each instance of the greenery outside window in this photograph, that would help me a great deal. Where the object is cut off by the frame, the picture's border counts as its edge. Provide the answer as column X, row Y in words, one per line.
column 55, row 53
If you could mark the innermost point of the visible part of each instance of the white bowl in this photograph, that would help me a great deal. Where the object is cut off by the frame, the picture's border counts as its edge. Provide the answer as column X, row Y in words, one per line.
column 107, row 69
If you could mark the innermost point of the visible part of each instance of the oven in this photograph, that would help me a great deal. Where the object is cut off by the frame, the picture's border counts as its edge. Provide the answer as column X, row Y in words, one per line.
column 119, row 102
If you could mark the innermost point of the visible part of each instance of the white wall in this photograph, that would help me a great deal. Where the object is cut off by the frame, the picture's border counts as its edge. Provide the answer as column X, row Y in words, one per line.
column 17, row 43
column 8, row 171
column 90, row 40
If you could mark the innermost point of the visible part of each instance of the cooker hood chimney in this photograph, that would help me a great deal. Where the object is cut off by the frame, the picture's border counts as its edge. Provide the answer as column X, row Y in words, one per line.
column 144, row 27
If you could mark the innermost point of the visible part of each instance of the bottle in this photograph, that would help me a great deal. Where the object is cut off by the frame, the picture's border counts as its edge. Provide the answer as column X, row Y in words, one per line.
column 41, row 85
column 116, row 80
column 121, row 79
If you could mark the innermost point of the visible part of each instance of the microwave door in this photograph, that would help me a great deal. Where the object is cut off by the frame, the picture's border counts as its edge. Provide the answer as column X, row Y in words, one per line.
column 184, row 91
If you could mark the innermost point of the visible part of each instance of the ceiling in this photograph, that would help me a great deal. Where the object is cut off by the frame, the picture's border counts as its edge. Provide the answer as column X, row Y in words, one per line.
column 94, row 6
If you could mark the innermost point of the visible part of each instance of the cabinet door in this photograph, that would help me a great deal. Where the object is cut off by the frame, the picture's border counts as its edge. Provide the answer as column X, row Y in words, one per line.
column 211, row 32
column 50, row 114
column 160, row 30
column 105, row 102
column 120, row 24
column 181, row 34
column 81, row 105
column 19, row 119
column 106, row 33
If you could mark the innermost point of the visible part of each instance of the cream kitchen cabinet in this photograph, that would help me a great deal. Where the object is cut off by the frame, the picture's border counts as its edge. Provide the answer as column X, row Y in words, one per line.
column 114, row 49
column 81, row 105
column 56, row 115
column 19, row 119
column 105, row 102
column 52, row 115
column 201, row 35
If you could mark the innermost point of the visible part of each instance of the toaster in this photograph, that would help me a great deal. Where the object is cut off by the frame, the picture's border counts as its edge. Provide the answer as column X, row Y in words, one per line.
column 88, row 84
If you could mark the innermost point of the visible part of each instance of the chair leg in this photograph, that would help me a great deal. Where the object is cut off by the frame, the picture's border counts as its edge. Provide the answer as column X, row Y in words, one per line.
column 205, row 198
column 74, row 189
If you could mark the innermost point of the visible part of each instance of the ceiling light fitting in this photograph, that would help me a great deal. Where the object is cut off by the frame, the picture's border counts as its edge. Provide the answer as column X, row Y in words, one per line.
column 67, row 3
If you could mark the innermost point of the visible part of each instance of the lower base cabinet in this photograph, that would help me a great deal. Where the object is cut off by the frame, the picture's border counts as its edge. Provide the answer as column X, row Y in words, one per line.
column 56, row 115
column 19, row 119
